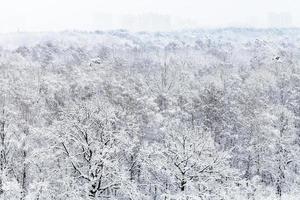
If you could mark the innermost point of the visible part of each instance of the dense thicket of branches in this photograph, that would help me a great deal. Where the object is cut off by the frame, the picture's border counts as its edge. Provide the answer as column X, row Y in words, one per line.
column 190, row 115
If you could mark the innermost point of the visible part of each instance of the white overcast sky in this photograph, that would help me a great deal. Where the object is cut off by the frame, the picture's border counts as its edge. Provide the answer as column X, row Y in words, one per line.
column 55, row 15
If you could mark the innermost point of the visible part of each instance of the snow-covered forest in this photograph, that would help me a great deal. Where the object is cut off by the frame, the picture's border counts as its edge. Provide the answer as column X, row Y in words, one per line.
column 186, row 115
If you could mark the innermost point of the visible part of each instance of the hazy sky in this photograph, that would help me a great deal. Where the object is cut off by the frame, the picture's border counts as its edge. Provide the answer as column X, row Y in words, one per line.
column 53, row 15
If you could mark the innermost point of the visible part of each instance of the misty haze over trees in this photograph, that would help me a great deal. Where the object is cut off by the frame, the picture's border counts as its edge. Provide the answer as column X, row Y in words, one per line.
column 189, row 115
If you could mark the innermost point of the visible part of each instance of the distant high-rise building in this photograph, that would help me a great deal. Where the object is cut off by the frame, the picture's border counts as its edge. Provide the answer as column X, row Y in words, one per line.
column 280, row 20
column 134, row 22
column 146, row 22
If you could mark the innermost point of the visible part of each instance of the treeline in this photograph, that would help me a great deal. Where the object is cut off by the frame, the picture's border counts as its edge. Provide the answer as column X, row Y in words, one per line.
column 164, row 116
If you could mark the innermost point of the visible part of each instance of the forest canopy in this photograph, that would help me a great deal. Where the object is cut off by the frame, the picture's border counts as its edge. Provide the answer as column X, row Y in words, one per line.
column 189, row 115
